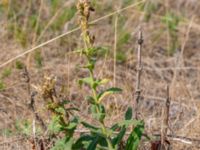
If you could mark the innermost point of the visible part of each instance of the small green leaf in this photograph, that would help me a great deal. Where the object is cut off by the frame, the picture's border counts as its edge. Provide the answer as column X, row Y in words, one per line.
column 60, row 110
column 71, row 126
column 93, row 109
column 115, row 127
column 127, row 123
column 102, row 51
column 108, row 92
column 99, row 115
column 89, row 66
column 92, row 82
column 65, row 102
column 82, row 142
column 63, row 144
column 91, row 52
column 93, row 129
column 89, row 126
column 88, row 81
column 135, row 137
column 93, row 144
column 72, row 108
column 102, row 114
column 102, row 142
column 104, row 81
column 99, row 82
column 129, row 113
column 119, row 137
column 54, row 126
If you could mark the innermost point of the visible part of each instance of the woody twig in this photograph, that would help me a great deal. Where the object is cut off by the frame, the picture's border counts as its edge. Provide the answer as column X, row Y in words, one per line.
column 139, row 71
column 165, row 122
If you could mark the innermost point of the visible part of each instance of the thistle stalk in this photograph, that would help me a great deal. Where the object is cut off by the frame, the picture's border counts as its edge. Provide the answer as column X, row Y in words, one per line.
column 139, row 71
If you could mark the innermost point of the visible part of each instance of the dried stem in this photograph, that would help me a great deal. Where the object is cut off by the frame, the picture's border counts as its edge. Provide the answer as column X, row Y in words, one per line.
column 115, row 49
column 32, row 106
column 139, row 71
column 165, row 123
column 27, row 80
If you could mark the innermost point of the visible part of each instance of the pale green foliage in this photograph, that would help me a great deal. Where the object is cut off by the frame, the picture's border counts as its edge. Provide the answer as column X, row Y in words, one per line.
column 6, row 72
column 19, row 64
column 2, row 85
column 6, row 132
column 24, row 127
column 172, row 21
column 38, row 59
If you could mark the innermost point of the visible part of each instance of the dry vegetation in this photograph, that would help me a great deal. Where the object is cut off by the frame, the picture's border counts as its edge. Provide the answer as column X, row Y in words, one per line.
column 170, row 56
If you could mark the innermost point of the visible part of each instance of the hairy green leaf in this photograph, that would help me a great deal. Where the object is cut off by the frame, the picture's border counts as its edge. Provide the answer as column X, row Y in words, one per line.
column 82, row 142
column 88, row 81
column 98, row 112
column 54, row 126
column 108, row 92
column 119, row 137
column 129, row 113
column 93, row 144
column 64, row 144
column 127, row 123
column 89, row 126
column 135, row 137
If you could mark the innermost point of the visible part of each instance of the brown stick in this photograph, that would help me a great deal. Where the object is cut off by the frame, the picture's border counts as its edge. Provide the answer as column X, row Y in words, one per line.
column 26, row 77
column 139, row 71
column 32, row 95
column 38, row 118
column 165, row 123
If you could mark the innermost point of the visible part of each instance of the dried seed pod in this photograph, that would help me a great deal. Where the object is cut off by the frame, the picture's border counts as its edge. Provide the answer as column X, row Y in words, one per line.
column 48, row 87
column 84, row 7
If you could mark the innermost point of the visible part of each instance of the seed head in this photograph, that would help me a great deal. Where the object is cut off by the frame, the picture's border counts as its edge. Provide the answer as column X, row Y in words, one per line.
column 84, row 8
column 48, row 87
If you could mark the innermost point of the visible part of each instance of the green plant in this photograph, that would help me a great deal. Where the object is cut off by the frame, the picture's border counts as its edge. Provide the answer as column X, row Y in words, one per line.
column 101, row 136
column 62, row 119
column 64, row 122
